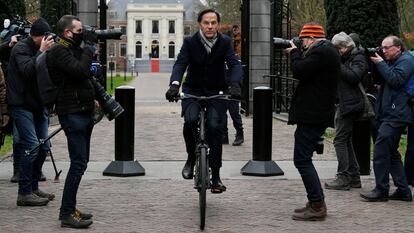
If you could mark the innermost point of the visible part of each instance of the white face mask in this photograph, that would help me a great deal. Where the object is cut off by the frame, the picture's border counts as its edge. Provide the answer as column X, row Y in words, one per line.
column 6, row 23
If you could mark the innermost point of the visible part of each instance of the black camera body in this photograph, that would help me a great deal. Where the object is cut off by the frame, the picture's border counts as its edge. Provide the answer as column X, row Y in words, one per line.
column 18, row 27
column 281, row 43
column 371, row 51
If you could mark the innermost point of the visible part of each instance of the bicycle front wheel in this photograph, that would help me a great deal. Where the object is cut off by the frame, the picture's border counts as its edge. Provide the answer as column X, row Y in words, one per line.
column 204, row 179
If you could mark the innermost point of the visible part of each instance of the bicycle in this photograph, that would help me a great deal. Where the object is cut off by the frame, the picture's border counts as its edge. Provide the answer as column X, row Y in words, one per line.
column 201, row 167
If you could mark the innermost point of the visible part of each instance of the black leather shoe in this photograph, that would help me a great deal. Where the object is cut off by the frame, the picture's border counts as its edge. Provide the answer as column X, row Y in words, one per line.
column 188, row 170
column 75, row 221
column 217, row 186
column 398, row 195
column 374, row 196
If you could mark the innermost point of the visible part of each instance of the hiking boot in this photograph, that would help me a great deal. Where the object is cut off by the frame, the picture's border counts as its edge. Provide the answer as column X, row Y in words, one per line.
column 83, row 215
column 239, row 138
column 217, row 186
column 31, row 200
column 398, row 195
column 225, row 139
column 188, row 169
column 42, row 194
column 315, row 212
column 339, row 183
column 75, row 221
column 303, row 209
column 355, row 182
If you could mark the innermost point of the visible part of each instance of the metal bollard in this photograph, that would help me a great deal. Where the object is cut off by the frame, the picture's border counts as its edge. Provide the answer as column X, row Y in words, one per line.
column 262, row 164
column 361, row 140
column 124, row 164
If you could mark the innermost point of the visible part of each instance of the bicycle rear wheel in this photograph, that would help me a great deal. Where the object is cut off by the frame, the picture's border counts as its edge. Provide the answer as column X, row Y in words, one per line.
column 203, row 172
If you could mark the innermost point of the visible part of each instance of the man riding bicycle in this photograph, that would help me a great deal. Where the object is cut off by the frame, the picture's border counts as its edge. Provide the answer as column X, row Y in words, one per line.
column 204, row 55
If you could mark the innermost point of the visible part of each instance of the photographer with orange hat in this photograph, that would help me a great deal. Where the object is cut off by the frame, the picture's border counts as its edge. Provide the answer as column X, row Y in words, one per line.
column 316, row 65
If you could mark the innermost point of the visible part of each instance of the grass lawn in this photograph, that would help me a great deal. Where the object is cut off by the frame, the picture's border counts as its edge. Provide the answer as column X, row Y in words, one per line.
column 117, row 81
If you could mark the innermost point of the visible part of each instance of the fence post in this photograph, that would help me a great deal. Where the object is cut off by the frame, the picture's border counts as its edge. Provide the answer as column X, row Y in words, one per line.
column 124, row 164
column 262, row 163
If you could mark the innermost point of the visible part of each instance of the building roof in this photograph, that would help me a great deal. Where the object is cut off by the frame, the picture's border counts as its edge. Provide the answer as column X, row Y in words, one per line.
column 117, row 8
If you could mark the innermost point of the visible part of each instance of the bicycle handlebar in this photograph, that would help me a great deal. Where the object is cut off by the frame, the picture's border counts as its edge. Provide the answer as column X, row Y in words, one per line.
column 183, row 95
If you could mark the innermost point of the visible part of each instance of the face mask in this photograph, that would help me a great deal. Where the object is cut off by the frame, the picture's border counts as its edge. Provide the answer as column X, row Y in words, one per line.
column 6, row 23
column 77, row 38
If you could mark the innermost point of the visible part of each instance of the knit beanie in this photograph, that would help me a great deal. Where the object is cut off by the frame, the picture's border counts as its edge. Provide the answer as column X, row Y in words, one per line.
column 312, row 30
column 343, row 40
column 39, row 27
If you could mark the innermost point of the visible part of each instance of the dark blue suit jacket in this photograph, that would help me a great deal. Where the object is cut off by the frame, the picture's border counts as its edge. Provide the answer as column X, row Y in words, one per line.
column 206, row 73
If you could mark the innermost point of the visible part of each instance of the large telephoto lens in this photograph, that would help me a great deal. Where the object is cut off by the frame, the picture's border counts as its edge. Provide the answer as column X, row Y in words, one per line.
column 109, row 105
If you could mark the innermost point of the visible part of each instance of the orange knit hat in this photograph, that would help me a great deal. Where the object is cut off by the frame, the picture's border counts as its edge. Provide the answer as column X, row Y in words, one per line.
column 312, row 30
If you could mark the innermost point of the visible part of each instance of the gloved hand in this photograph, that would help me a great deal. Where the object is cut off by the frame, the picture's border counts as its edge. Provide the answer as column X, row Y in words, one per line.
column 172, row 92
column 91, row 47
column 235, row 91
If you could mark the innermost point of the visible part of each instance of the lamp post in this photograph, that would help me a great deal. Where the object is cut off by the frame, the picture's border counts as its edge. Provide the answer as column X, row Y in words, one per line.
column 125, row 67
column 111, row 67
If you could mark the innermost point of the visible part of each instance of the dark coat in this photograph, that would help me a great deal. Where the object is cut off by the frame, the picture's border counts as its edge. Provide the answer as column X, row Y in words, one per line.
column 313, row 101
column 70, row 68
column 392, row 101
column 206, row 72
column 21, row 81
column 354, row 68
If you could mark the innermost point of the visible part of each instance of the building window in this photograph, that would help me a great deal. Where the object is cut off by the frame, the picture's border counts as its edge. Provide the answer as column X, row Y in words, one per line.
column 111, row 48
column 122, row 50
column 155, row 49
column 123, row 30
column 138, row 26
column 155, row 26
column 171, row 27
column 171, row 50
column 138, row 50
column 187, row 30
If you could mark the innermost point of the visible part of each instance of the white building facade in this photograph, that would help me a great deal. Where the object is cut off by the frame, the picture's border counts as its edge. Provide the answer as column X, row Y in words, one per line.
column 154, row 35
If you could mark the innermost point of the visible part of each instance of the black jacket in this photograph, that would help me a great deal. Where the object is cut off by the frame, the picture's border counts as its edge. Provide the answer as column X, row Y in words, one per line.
column 354, row 68
column 69, row 68
column 317, row 71
column 21, row 82
column 207, row 72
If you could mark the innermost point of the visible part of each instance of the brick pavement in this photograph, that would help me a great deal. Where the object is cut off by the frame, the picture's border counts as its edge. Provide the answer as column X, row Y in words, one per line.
column 159, row 203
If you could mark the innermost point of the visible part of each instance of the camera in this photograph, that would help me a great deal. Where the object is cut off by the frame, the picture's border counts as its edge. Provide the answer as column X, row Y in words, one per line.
column 19, row 26
column 281, row 43
column 53, row 35
column 109, row 105
column 105, row 34
column 371, row 51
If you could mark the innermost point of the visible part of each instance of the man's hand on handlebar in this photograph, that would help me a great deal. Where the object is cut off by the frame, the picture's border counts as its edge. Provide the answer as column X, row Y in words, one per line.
column 172, row 93
column 235, row 91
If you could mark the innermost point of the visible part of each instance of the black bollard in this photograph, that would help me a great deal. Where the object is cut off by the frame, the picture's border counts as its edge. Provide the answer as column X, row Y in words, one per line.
column 361, row 140
column 262, row 163
column 124, row 164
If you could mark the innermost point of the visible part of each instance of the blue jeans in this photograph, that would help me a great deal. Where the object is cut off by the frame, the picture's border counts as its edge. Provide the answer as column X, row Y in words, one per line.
column 216, row 112
column 409, row 156
column 387, row 159
column 78, row 130
column 31, row 127
column 306, row 142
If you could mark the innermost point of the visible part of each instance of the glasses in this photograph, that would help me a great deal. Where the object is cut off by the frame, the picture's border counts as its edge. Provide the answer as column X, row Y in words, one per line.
column 387, row 47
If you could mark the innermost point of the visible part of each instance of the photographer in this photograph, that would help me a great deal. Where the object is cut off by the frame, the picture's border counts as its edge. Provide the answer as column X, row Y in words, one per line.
column 393, row 114
column 312, row 109
column 69, row 68
column 350, row 105
column 30, row 118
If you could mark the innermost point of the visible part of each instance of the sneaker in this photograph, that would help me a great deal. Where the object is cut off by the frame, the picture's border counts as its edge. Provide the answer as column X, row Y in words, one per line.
column 217, row 186
column 75, row 221
column 31, row 200
column 355, row 182
column 315, row 212
column 83, row 215
column 339, row 183
column 42, row 194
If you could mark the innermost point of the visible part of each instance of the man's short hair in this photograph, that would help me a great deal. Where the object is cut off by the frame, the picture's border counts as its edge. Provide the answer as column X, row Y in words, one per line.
column 203, row 12
column 65, row 23
column 397, row 42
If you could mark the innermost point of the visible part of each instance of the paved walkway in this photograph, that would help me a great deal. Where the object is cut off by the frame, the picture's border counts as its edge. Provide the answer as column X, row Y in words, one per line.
column 161, row 201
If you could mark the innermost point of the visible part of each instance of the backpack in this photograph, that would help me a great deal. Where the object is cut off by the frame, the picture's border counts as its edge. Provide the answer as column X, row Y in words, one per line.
column 48, row 91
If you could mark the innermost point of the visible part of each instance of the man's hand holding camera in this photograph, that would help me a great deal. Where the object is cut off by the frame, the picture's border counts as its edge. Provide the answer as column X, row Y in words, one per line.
column 376, row 58
column 47, row 43
column 292, row 46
